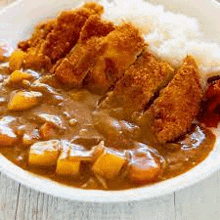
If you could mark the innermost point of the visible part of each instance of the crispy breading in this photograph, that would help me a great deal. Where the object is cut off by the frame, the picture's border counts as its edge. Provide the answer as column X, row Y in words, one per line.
column 139, row 84
column 174, row 110
column 124, row 44
column 40, row 32
column 35, row 60
column 101, row 55
column 95, row 27
column 72, row 70
column 95, row 7
column 75, row 66
column 57, row 38
column 66, row 33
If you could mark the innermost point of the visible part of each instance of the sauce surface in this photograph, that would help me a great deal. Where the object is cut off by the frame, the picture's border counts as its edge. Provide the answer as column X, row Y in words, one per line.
column 71, row 118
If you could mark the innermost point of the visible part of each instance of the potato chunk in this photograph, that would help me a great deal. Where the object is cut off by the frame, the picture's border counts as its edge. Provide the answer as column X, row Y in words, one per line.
column 70, row 160
column 67, row 167
column 44, row 153
column 109, row 164
column 144, row 166
column 22, row 100
column 18, row 76
column 72, row 155
column 16, row 59
column 7, row 136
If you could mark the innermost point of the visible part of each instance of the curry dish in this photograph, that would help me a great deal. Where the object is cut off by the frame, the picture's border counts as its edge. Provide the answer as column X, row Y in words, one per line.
column 85, row 103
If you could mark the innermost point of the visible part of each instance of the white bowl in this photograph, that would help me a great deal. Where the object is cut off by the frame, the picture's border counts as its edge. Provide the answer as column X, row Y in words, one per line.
column 17, row 22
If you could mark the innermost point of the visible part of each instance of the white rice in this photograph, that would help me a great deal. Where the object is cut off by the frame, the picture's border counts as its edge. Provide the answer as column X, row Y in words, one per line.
column 170, row 36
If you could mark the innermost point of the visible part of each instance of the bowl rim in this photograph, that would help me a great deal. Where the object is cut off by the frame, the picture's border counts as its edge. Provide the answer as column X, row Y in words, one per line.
column 155, row 190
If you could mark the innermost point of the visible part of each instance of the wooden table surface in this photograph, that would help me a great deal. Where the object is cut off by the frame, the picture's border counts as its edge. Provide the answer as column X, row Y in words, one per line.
column 198, row 202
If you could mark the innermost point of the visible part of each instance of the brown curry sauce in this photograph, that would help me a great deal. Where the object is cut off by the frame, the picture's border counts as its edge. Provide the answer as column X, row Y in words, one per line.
column 73, row 110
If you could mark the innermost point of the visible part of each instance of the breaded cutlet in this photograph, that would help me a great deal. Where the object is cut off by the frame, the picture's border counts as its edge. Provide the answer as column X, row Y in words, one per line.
column 101, row 55
column 172, row 113
column 57, row 39
column 124, row 44
column 67, row 31
column 139, row 84
column 40, row 32
column 75, row 66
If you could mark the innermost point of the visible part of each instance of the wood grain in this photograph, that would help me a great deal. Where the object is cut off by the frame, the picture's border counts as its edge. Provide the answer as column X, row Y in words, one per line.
column 201, row 201
column 198, row 202
column 9, row 195
column 20, row 203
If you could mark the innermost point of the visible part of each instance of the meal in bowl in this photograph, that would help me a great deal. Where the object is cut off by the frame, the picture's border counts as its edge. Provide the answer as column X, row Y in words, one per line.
column 86, row 102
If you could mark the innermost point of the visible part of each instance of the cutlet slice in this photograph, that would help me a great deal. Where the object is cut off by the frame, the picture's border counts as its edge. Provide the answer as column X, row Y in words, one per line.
column 124, row 44
column 41, row 31
column 72, row 70
column 174, row 110
column 95, row 27
column 53, row 41
column 75, row 66
column 111, row 51
column 138, row 85
column 67, row 31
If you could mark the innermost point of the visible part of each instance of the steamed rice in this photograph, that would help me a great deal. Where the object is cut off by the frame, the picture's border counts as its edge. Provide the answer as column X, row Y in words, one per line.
column 170, row 36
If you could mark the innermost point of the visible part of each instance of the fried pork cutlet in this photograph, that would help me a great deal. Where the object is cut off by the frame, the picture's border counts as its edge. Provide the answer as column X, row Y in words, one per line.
column 75, row 66
column 174, row 110
column 41, row 31
column 101, row 56
column 138, row 85
column 66, row 33
column 124, row 44
column 44, row 50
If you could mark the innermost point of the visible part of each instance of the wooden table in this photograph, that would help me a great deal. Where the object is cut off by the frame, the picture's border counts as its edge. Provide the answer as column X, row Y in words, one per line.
column 198, row 202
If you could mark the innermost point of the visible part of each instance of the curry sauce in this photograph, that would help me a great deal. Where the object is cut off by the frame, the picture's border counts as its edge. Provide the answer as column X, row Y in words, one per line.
column 69, row 116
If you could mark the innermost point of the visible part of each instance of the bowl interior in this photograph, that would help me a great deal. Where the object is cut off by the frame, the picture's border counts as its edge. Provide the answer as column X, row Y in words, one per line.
column 17, row 22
